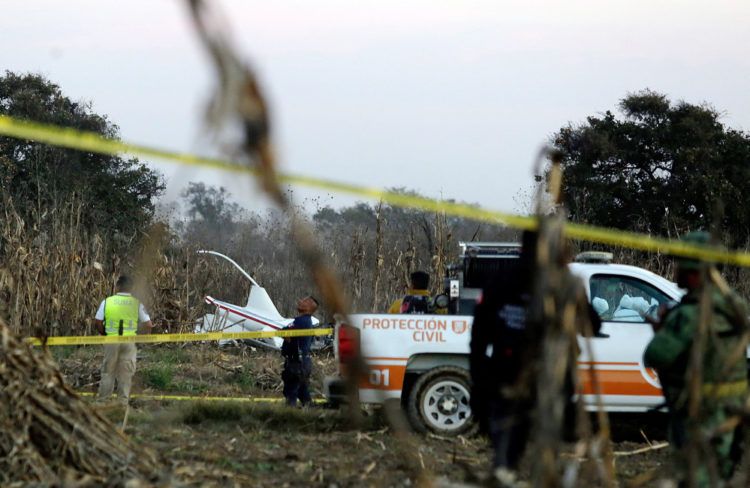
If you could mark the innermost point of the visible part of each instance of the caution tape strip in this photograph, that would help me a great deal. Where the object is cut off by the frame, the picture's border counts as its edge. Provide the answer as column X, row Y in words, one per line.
column 141, row 396
column 188, row 398
column 160, row 338
column 93, row 142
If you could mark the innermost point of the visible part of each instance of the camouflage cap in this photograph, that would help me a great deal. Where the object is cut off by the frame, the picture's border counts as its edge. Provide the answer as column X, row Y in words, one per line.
column 697, row 237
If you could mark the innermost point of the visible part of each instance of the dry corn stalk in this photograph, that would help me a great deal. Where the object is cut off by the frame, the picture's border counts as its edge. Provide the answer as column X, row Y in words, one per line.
column 240, row 99
column 49, row 435
column 556, row 313
column 379, row 260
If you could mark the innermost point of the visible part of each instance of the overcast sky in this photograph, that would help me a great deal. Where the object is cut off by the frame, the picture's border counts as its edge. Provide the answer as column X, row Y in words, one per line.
column 451, row 98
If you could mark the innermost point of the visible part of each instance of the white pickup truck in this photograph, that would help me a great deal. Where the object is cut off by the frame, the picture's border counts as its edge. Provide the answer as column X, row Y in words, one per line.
column 422, row 360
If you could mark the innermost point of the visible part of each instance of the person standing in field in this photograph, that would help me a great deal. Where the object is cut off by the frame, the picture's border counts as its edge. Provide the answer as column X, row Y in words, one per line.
column 702, row 398
column 120, row 315
column 417, row 299
column 296, row 352
column 506, row 357
column 503, row 351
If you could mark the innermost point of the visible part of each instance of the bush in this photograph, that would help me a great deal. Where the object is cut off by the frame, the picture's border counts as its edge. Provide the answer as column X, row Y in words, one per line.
column 158, row 377
column 171, row 355
column 243, row 379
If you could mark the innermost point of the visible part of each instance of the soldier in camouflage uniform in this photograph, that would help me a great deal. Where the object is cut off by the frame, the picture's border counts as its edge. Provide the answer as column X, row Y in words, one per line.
column 714, row 318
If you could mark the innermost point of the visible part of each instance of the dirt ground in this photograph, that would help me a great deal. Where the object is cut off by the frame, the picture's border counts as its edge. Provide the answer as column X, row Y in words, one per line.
column 267, row 444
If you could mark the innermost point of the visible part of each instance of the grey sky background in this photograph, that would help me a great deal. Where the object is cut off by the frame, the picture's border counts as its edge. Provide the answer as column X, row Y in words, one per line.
column 450, row 98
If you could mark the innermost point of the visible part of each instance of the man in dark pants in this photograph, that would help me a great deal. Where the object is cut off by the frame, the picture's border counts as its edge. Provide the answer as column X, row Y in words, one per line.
column 296, row 352
column 502, row 393
column 506, row 347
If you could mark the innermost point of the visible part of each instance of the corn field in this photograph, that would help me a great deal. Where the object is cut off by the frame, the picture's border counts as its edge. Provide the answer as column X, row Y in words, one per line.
column 54, row 272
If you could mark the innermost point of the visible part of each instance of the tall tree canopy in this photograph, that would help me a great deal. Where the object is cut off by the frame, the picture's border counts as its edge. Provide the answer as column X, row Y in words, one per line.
column 115, row 194
column 213, row 218
column 662, row 168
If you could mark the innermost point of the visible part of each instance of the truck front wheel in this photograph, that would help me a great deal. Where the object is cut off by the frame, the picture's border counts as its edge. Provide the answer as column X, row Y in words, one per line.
column 439, row 402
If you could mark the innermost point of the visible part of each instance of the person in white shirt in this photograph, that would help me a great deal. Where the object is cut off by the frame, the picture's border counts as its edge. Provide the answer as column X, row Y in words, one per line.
column 120, row 315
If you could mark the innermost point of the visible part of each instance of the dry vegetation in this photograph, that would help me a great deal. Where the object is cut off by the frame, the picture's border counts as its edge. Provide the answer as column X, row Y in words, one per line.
column 53, row 276
column 48, row 433
column 193, row 369
column 265, row 444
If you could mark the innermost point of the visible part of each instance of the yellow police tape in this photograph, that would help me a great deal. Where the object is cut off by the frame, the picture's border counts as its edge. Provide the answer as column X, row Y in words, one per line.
column 90, row 141
column 157, row 398
column 159, row 338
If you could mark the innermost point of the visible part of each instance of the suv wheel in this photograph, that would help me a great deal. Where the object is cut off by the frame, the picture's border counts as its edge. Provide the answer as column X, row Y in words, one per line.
column 439, row 402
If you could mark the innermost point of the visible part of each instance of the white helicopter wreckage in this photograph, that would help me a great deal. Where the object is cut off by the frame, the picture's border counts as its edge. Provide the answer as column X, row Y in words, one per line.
column 259, row 314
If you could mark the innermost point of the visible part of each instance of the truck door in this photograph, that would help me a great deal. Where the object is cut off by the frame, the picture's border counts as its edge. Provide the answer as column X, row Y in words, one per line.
column 622, row 302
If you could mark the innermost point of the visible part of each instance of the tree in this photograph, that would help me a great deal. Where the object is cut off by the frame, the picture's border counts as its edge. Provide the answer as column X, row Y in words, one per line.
column 663, row 168
column 213, row 218
column 209, row 204
column 116, row 195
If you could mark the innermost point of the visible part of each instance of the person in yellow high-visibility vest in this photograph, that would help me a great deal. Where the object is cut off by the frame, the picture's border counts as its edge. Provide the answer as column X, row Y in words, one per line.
column 120, row 315
column 417, row 299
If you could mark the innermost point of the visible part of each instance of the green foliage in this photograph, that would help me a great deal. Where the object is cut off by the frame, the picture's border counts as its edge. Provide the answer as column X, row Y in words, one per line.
column 662, row 169
column 116, row 194
column 230, row 463
column 61, row 353
column 243, row 379
column 188, row 386
column 158, row 376
column 264, row 467
column 171, row 355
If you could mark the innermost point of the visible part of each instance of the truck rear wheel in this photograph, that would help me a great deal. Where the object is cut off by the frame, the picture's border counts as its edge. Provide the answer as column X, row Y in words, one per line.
column 439, row 402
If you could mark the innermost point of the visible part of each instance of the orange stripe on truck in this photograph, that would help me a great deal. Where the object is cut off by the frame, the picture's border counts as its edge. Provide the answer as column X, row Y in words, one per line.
column 611, row 381
column 384, row 359
column 618, row 382
column 588, row 363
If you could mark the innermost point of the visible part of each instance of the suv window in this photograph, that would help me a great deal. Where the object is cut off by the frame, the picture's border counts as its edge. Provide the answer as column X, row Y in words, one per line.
column 624, row 299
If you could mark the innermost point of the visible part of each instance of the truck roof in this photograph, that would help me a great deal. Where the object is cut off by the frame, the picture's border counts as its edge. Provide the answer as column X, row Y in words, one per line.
column 490, row 249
